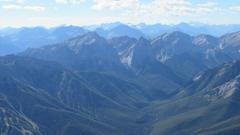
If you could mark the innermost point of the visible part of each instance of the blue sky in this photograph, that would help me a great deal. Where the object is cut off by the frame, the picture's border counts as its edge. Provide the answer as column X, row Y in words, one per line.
column 86, row 12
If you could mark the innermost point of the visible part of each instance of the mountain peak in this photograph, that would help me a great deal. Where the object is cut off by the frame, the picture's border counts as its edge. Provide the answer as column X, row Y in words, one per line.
column 232, row 39
column 91, row 35
column 87, row 39
column 178, row 34
column 172, row 36
column 205, row 40
column 143, row 40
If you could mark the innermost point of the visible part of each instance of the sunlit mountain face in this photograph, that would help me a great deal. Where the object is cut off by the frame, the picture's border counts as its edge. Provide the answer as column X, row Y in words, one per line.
column 89, row 84
column 119, row 67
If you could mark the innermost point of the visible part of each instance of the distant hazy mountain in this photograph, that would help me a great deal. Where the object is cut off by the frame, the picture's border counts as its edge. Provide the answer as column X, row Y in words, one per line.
column 6, row 46
column 23, row 38
column 118, row 31
column 192, row 29
column 32, row 37
column 154, row 30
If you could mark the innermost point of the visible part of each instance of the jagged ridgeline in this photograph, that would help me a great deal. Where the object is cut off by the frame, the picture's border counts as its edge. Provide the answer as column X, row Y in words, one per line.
column 111, row 83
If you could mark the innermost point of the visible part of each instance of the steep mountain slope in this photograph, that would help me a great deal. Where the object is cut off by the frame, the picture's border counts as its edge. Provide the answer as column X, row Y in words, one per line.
column 188, row 55
column 230, row 43
column 123, row 56
column 123, row 46
column 185, row 55
column 89, row 52
column 29, row 105
column 177, row 49
column 150, row 73
column 123, row 86
column 7, row 47
column 208, row 105
column 170, row 44
column 45, row 93
column 206, row 41
column 31, row 111
column 166, row 62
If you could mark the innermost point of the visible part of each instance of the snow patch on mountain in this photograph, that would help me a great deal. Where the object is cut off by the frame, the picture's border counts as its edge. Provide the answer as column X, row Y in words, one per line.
column 198, row 77
column 224, row 69
column 127, row 56
column 223, row 91
column 163, row 56
column 201, row 41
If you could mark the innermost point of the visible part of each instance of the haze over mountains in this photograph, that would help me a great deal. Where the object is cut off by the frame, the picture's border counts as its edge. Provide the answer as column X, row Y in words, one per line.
column 14, row 40
column 116, row 79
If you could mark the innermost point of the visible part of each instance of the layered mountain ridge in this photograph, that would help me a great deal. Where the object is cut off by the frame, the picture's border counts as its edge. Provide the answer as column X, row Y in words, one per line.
column 32, row 37
column 174, row 84
column 211, row 102
column 49, row 98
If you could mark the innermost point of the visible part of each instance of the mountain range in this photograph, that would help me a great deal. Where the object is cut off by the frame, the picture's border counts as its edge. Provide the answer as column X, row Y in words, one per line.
column 15, row 40
column 76, row 82
column 190, row 54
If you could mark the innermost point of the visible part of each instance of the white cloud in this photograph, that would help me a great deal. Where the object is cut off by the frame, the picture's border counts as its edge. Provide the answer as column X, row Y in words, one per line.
column 5, row 0
column 113, row 4
column 20, row 1
column 69, row 1
column 34, row 8
column 172, row 8
column 160, row 7
column 11, row 7
column 17, row 1
column 61, row 1
column 20, row 7
column 235, row 8
column 180, row 8
column 164, row 11
column 207, row 7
